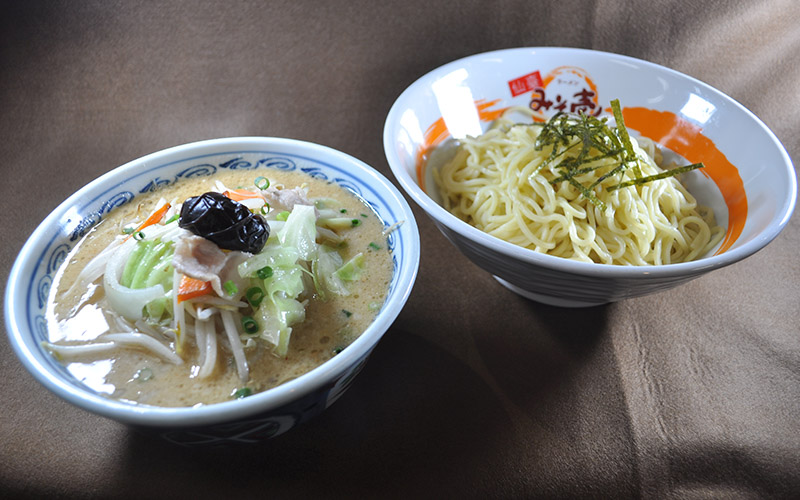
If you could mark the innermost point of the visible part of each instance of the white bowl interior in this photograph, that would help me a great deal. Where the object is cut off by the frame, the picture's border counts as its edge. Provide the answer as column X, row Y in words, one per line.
column 32, row 273
column 749, row 178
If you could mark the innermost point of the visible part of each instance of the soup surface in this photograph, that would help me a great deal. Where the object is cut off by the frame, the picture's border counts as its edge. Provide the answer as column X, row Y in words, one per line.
column 80, row 317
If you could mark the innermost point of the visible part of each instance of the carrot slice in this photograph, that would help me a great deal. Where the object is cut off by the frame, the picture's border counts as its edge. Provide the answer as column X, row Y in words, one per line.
column 242, row 194
column 190, row 288
column 154, row 218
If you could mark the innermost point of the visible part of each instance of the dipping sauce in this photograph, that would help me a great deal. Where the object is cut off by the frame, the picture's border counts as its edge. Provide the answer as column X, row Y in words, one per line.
column 304, row 311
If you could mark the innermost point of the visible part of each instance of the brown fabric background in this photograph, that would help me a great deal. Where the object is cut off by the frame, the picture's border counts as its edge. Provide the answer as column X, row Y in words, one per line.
column 474, row 392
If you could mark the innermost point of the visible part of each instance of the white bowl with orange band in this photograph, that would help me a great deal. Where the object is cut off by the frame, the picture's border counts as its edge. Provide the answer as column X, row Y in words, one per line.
column 748, row 179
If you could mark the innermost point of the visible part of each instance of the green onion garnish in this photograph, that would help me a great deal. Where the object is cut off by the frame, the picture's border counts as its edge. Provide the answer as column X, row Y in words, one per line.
column 364, row 215
column 242, row 393
column 173, row 218
column 347, row 313
column 254, row 296
column 343, row 211
column 283, row 215
column 249, row 325
column 374, row 246
column 230, row 288
column 265, row 209
column 355, row 222
column 128, row 230
column 264, row 273
column 138, row 236
column 262, row 182
column 338, row 350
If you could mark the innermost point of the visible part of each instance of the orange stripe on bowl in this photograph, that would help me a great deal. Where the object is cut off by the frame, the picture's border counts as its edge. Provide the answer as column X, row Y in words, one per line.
column 437, row 133
column 687, row 140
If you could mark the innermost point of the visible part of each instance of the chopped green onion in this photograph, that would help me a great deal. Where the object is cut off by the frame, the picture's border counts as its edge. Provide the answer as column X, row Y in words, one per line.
column 173, row 218
column 265, row 209
column 128, row 230
column 249, row 324
column 264, row 273
column 364, row 215
column 338, row 350
column 347, row 313
column 343, row 211
column 243, row 393
column 230, row 288
column 374, row 246
column 254, row 296
column 355, row 222
column 138, row 236
column 262, row 182
column 283, row 215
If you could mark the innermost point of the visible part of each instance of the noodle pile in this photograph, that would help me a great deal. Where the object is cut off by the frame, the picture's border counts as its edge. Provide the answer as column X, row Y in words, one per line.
column 500, row 183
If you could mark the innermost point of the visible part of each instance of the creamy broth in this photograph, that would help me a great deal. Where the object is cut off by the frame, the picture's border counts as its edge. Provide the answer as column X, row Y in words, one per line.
column 79, row 316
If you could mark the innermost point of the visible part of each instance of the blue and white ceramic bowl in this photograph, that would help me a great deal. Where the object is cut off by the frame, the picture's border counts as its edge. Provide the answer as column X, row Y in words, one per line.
column 250, row 419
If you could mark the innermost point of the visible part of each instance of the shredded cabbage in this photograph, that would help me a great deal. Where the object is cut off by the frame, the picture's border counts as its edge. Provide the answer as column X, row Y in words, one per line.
column 300, row 231
column 128, row 302
column 286, row 255
column 273, row 255
column 351, row 270
column 324, row 272
column 276, row 316
column 289, row 256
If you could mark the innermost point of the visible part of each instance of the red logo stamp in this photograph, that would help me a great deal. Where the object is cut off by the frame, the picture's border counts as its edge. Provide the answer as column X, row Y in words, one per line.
column 569, row 89
column 525, row 83
column 563, row 89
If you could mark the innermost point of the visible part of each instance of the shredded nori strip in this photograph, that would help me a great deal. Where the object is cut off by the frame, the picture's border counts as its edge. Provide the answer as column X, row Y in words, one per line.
column 596, row 141
column 655, row 177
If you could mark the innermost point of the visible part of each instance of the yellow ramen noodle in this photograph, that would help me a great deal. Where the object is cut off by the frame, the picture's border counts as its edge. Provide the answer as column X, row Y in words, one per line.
column 500, row 183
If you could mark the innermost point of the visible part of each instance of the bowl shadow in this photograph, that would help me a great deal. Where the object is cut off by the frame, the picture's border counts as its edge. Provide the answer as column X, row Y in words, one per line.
column 412, row 408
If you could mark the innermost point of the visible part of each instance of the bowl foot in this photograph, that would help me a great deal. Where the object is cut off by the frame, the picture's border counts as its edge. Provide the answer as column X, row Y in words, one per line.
column 548, row 299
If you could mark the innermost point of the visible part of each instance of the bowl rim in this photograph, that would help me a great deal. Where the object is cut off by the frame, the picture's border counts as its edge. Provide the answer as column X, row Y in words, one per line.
column 228, row 411
column 559, row 264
